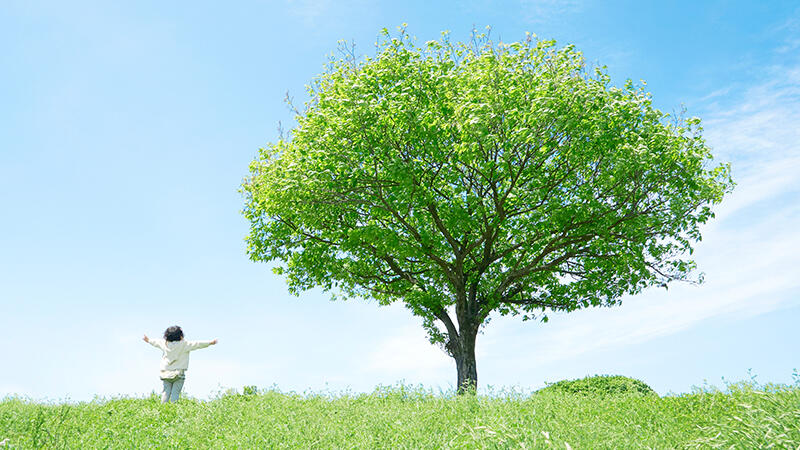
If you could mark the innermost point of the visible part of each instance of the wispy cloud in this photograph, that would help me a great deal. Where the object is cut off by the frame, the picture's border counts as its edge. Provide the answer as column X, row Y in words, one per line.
column 406, row 352
column 714, row 94
column 789, row 31
column 760, row 125
column 309, row 11
column 537, row 11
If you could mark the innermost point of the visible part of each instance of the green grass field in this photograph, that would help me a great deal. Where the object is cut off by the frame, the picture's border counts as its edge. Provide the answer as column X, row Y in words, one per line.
column 743, row 416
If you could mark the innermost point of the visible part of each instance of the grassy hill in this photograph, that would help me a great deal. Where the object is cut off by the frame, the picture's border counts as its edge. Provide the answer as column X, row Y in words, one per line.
column 743, row 416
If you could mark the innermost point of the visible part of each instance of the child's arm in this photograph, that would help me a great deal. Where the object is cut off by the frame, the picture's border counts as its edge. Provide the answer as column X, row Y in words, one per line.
column 197, row 345
column 157, row 343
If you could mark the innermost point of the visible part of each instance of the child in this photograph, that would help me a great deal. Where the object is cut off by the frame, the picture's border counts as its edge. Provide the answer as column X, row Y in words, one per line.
column 175, row 360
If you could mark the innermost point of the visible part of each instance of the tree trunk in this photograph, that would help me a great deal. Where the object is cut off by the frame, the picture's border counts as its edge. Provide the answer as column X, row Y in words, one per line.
column 466, row 366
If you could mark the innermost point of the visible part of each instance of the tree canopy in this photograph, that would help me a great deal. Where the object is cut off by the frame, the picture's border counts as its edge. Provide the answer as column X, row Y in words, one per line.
column 465, row 179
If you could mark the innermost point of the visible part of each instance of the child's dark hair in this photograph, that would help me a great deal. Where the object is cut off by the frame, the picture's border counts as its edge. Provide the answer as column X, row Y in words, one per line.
column 173, row 334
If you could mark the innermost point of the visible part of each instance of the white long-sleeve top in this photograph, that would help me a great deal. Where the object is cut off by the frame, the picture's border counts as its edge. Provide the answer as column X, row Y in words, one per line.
column 175, row 359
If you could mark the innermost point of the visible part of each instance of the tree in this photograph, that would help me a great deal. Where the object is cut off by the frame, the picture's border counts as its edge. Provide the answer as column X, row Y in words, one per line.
column 466, row 179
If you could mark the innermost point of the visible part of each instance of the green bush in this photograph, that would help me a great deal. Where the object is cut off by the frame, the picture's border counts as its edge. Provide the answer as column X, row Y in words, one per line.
column 601, row 385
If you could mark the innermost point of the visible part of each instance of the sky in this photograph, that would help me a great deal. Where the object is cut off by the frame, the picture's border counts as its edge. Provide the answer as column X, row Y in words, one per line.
column 126, row 129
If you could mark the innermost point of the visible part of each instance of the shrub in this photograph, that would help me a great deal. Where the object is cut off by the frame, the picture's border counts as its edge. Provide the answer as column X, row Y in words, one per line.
column 250, row 390
column 601, row 385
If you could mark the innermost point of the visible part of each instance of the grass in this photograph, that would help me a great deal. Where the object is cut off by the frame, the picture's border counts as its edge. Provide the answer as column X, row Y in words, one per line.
column 745, row 415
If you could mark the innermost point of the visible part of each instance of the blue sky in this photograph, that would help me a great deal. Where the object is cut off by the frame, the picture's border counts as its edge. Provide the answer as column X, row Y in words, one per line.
column 126, row 129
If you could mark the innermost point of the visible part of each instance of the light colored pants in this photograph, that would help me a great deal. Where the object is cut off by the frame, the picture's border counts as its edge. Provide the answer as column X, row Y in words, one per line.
column 172, row 390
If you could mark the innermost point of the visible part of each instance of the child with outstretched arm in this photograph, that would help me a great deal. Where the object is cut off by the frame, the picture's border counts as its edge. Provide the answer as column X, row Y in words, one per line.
column 175, row 360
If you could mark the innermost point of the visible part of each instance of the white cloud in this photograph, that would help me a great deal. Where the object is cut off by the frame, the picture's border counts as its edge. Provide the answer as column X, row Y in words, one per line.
column 407, row 350
column 537, row 11
column 309, row 11
column 715, row 94
column 789, row 30
column 760, row 125
column 763, row 182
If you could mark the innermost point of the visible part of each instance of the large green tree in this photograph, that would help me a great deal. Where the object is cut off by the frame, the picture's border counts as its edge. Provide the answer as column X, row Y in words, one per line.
column 466, row 179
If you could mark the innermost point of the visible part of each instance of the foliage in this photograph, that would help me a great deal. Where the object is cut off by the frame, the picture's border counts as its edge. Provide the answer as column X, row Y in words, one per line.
column 473, row 178
column 408, row 417
column 601, row 385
